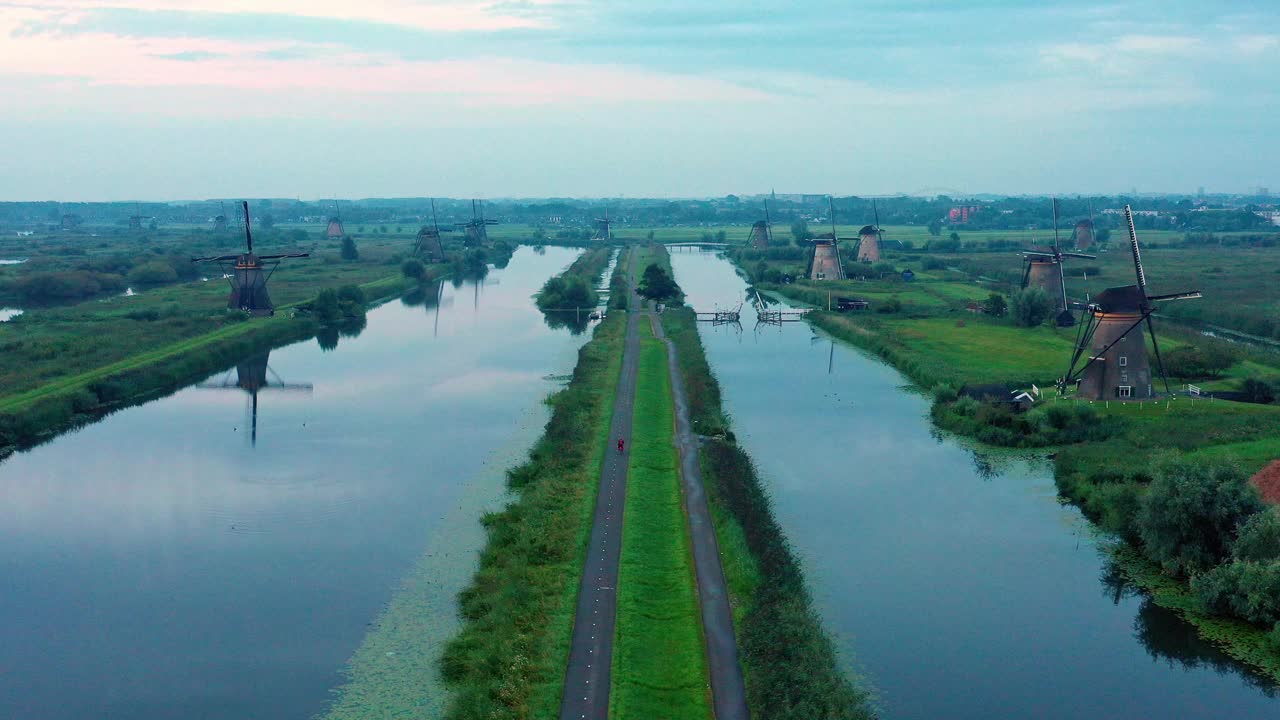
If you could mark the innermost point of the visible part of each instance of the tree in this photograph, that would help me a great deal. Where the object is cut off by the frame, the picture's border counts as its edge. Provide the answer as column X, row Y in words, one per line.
column 1189, row 518
column 955, row 236
column 349, row 251
column 995, row 305
column 650, row 236
column 413, row 269
column 800, row 231
column 935, row 227
column 1199, row 361
column 1030, row 306
column 657, row 285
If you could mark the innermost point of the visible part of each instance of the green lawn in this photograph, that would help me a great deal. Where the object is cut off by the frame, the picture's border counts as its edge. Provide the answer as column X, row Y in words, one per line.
column 659, row 664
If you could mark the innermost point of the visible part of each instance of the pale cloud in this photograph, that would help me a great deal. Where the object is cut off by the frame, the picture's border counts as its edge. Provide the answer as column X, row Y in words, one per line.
column 108, row 59
column 434, row 16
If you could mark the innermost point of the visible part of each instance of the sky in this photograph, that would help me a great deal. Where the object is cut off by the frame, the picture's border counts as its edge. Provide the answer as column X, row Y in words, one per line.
column 188, row 99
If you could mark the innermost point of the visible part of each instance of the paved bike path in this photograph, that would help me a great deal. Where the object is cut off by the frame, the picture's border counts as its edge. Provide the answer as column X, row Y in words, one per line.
column 587, row 678
column 728, row 689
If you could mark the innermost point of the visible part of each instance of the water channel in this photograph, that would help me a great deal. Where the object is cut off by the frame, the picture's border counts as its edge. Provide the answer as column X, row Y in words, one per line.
column 960, row 583
column 159, row 564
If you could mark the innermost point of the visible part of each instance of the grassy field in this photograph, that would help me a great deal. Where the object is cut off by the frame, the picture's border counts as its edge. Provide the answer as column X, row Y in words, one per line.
column 659, row 663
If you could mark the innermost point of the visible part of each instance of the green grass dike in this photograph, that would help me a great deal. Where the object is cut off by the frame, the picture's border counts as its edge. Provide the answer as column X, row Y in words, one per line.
column 1167, row 477
column 659, row 661
column 508, row 658
column 791, row 666
column 118, row 358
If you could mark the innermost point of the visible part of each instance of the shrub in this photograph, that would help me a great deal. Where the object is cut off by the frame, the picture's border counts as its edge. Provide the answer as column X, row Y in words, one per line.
column 995, row 305
column 1199, row 361
column 1189, row 518
column 933, row 263
column 1259, row 537
column 413, row 269
column 1257, row 391
column 1243, row 588
column 153, row 273
column 892, row 305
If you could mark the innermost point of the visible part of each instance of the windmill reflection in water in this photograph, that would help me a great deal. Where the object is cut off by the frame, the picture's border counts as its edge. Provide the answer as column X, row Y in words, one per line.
column 251, row 376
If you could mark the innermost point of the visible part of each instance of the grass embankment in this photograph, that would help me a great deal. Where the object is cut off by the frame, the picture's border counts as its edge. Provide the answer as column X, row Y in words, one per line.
column 659, row 662
column 508, row 661
column 147, row 367
column 790, row 663
column 567, row 299
column 1108, row 450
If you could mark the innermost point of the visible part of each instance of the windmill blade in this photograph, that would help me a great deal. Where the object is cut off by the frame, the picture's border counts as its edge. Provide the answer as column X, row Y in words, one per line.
column 248, row 234
column 1137, row 256
column 281, row 257
column 1189, row 295
column 1078, row 255
column 1039, row 255
column 434, row 223
column 215, row 258
column 1026, row 275
column 1151, row 328
column 1062, row 284
column 1054, row 202
column 876, row 213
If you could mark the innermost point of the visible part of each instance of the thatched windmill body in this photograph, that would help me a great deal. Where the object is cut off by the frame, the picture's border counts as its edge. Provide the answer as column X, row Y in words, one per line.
column 870, row 238
column 824, row 262
column 1111, row 343
column 248, row 274
column 334, row 230
column 251, row 377
column 761, row 232
column 604, row 228
column 477, row 233
column 427, row 245
column 1044, row 270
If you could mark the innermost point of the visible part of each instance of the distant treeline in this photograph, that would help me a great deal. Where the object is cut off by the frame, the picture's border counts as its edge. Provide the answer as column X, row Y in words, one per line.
column 1214, row 214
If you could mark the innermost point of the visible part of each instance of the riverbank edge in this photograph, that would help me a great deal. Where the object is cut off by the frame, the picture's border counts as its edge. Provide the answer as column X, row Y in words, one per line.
column 1243, row 641
column 37, row 418
column 509, row 657
column 790, row 663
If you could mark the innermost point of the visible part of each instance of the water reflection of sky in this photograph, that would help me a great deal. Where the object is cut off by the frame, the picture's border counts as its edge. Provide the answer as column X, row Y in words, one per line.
column 7, row 314
column 965, row 590
column 156, row 565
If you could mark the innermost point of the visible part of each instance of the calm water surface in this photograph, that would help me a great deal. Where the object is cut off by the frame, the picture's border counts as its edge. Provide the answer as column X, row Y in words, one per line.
column 7, row 314
column 962, row 586
column 156, row 565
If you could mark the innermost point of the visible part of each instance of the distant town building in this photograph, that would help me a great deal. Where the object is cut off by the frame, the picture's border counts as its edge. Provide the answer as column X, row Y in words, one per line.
column 961, row 214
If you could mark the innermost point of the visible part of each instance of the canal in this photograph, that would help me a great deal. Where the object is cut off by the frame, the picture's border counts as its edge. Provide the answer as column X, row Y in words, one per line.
column 160, row 564
column 960, row 583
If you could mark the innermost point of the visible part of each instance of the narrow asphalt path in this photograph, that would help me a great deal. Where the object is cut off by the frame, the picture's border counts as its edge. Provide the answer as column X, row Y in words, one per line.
column 728, row 690
column 587, row 678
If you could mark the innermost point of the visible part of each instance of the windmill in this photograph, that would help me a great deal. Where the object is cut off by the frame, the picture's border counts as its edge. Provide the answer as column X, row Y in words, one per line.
column 824, row 263
column 135, row 220
column 762, row 232
column 1082, row 236
column 477, row 228
column 220, row 222
column 1117, row 365
column 249, row 274
column 427, row 244
column 334, row 230
column 869, row 238
column 604, row 229
column 1044, row 270
column 251, row 377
